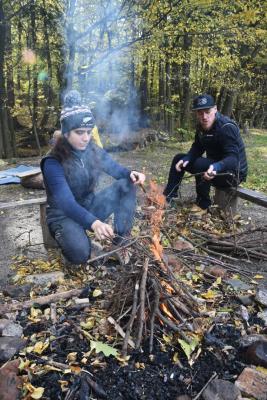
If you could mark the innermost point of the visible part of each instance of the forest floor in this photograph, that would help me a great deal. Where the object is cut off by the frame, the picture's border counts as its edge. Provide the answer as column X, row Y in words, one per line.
column 168, row 373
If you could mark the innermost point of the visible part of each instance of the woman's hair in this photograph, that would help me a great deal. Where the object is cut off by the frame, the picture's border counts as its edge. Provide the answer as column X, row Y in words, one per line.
column 62, row 149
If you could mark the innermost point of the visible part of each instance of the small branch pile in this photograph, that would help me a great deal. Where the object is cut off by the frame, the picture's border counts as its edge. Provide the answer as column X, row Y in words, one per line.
column 239, row 244
column 148, row 295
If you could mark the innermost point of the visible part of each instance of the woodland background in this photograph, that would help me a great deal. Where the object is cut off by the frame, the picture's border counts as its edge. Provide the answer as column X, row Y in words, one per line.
column 137, row 63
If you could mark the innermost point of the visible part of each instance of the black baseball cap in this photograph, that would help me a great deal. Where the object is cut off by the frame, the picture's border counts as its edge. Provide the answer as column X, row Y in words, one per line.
column 203, row 101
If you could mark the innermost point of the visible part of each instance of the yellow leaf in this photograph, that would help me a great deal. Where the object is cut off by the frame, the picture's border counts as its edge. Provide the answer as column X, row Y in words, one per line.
column 219, row 280
column 209, row 295
column 139, row 365
column 35, row 312
column 167, row 339
column 89, row 324
column 72, row 357
column 262, row 369
column 97, row 292
column 175, row 358
column 40, row 347
column 258, row 276
column 37, row 393
column 63, row 384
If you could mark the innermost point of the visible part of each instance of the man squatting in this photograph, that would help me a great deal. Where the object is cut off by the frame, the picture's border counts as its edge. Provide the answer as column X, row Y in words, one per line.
column 219, row 137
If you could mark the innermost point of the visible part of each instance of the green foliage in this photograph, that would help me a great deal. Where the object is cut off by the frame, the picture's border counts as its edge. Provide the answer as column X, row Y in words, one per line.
column 184, row 135
column 256, row 147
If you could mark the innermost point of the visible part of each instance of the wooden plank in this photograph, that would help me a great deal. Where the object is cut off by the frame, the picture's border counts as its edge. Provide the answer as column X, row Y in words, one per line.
column 251, row 195
column 21, row 203
column 49, row 241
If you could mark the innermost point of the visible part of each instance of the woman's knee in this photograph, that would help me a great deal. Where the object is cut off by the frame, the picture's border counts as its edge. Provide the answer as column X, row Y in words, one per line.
column 77, row 254
column 125, row 185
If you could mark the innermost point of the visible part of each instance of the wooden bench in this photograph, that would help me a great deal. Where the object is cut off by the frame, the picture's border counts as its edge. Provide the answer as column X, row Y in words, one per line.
column 227, row 199
column 49, row 241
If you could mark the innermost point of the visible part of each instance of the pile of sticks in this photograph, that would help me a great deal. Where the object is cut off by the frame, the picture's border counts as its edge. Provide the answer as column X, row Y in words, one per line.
column 148, row 297
column 250, row 244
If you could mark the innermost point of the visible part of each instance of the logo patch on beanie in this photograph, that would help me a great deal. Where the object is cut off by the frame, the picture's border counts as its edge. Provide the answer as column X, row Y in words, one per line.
column 86, row 120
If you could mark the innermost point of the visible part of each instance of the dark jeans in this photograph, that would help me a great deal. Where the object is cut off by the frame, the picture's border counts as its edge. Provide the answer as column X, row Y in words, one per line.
column 118, row 199
column 202, row 186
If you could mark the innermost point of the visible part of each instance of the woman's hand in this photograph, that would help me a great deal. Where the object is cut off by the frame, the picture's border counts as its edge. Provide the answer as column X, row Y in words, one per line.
column 137, row 177
column 102, row 230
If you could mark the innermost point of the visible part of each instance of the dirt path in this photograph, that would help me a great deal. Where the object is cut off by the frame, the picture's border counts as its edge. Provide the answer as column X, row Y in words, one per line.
column 20, row 231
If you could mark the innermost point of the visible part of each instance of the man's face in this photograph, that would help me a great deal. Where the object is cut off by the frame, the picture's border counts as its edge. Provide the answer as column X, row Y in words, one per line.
column 206, row 117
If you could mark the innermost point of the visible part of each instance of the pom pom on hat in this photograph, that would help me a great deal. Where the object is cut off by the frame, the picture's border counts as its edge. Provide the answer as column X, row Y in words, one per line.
column 75, row 115
column 72, row 98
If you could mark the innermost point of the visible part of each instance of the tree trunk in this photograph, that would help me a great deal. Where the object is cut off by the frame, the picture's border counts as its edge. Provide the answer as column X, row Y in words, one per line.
column 35, row 81
column 227, row 108
column 71, row 46
column 144, row 93
column 47, row 88
column 6, row 133
column 185, row 109
column 161, row 93
column 167, row 107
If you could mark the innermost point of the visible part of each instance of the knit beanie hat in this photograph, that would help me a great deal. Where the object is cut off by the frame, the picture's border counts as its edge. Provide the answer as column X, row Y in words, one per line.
column 74, row 115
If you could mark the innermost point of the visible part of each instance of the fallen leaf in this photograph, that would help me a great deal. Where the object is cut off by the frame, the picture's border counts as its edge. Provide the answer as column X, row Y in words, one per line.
column 37, row 393
column 209, row 295
column 104, row 348
column 188, row 348
column 97, row 292
column 89, row 324
column 71, row 357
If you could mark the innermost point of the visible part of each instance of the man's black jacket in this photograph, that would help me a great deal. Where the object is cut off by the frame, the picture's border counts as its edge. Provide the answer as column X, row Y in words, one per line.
column 223, row 145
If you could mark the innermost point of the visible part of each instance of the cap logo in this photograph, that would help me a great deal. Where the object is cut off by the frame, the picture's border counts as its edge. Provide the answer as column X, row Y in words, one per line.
column 202, row 101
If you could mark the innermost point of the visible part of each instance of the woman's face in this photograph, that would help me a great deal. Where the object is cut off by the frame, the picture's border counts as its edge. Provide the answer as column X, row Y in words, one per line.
column 79, row 138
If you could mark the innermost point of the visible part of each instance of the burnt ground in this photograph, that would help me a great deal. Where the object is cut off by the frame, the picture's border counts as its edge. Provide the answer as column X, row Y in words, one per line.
column 20, row 229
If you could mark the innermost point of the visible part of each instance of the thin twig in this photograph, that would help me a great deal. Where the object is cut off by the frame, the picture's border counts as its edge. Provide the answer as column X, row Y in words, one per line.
column 131, row 320
column 154, row 313
column 214, row 375
column 142, row 303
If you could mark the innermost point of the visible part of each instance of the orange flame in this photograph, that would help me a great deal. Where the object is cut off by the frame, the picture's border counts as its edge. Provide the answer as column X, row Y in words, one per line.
column 157, row 199
column 165, row 309
column 168, row 287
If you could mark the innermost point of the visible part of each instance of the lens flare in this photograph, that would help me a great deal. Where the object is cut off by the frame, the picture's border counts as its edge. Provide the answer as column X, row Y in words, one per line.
column 28, row 56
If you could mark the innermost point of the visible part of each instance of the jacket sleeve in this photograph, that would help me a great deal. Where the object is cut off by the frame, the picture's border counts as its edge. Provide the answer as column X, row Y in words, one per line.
column 59, row 189
column 195, row 151
column 230, row 149
column 110, row 166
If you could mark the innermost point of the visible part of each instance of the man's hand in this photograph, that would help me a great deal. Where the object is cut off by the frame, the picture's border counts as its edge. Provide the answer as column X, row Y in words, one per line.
column 102, row 230
column 181, row 164
column 210, row 173
column 137, row 177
